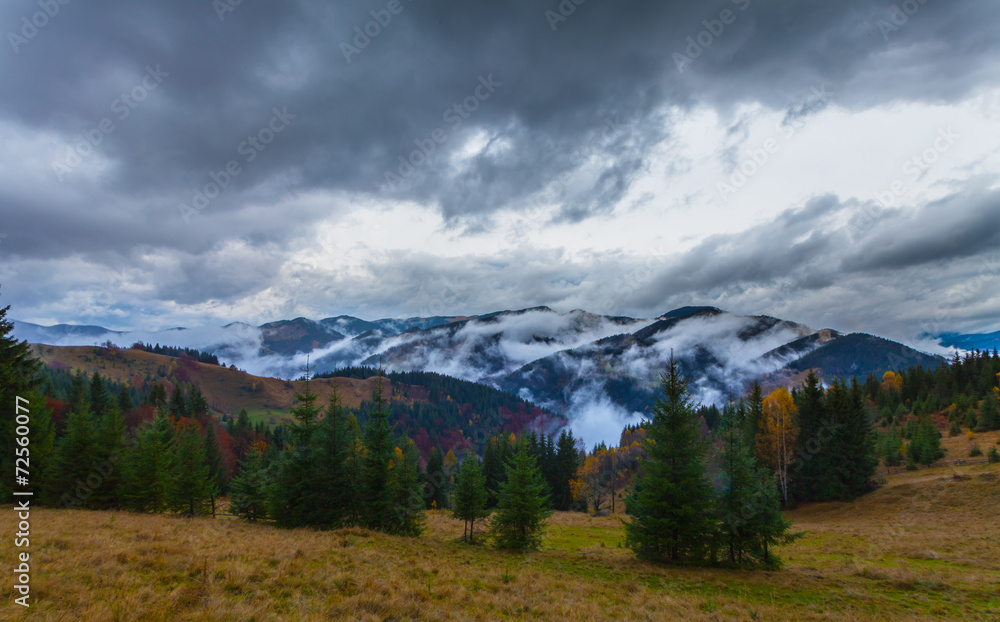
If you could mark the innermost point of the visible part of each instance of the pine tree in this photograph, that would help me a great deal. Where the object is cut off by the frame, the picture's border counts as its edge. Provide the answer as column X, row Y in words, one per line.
column 74, row 456
column 523, row 504
column 100, row 399
column 216, row 464
column 891, row 447
column 335, row 484
column 177, row 407
column 811, row 461
column 189, row 483
column 437, row 482
column 493, row 470
column 748, row 506
column 671, row 501
column 149, row 465
column 567, row 461
column 378, row 494
column 469, row 499
column 19, row 377
column 861, row 459
column 989, row 415
column 293, row 495
column 248, row 490
column 409, row 503
column 109, row 453
column 197, row 406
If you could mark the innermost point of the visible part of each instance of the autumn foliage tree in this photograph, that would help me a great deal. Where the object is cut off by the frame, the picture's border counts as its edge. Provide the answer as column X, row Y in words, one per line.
column 777, row 434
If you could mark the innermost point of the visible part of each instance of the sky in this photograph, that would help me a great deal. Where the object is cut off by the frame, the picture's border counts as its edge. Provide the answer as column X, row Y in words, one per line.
column 199, row 163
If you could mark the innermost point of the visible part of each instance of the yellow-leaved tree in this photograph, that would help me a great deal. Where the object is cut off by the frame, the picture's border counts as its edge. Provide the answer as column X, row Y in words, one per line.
column 776, row 436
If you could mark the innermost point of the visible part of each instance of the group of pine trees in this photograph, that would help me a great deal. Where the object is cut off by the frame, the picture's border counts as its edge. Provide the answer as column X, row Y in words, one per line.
column 676, row 515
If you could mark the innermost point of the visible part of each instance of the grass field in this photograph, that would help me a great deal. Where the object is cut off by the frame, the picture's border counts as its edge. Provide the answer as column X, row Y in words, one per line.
column 924, row 546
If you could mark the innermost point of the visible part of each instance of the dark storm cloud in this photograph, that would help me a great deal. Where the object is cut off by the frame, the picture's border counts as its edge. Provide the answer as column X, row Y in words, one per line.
column 353, row 120
column 573, row 111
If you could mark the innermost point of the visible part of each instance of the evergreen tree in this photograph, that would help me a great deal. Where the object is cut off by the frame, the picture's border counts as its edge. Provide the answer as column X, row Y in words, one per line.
column 100, row 399
column 567, row 461
column 248, row 490
column 671, row 501
column 469, row 499
column 197, row 406
column 74, row 457
column 861, row 458
column 148, row 466
column 811, row 460
column 216, row 464
column 189, row 484
column 177, row 407
column 336, row 486
column 523, row 504
column 437, row 483
column 19, row 377
column 378, row 493
column 109, row 453
column 989, row 415
column 409, row 503
column 493, row 470
column 125, row 403
column 891, row 447
column 748, row 506
column 293, row 495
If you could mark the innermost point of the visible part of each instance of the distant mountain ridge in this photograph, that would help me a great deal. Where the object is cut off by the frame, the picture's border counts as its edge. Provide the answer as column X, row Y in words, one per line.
column 603, row 369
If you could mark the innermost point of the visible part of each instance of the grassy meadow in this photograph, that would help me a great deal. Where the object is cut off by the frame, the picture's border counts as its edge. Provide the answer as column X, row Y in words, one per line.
column 924, row 546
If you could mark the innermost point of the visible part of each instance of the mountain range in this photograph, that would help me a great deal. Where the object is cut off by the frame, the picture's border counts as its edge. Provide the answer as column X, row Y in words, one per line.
column 600, row 371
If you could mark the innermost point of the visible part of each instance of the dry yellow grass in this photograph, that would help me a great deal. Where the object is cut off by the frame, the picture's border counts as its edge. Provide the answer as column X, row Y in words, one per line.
column 922, row 547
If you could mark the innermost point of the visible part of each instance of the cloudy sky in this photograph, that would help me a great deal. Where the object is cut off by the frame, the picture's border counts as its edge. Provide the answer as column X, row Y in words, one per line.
column 186, row 163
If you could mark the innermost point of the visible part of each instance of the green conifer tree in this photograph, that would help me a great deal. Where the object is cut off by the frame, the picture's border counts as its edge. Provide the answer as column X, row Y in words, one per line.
column 523, row 504
column 469, row 498
column 671, row 501
column 189, row 484
column 378, row 490
column 248, row 489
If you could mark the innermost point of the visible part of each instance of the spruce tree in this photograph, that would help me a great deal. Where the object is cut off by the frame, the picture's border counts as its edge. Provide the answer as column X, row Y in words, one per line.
column 334, row 479
column 189, row 484
column 148, row 466
column 437, row 489
column 409, row 503
column 177, row 406
column 248, row 489
column 109, row 454
column 567, row 461
column 100, row 399
column 74, row 460
column 989, row 415
column 469, row 498
column 861, row 458
column 216, row 464
column 671, row 501
column 748, row 506
column 293, row 494
column 19, row 377
column 522, row 504
column 811, row 460
column 378, row 494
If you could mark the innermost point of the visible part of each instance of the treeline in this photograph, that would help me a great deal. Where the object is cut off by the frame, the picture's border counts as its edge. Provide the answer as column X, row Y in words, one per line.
column 451, row 414
column 911, row 404
column 177, row 352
